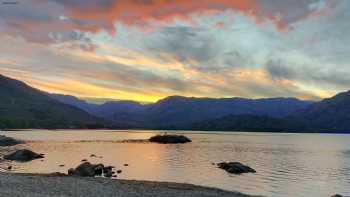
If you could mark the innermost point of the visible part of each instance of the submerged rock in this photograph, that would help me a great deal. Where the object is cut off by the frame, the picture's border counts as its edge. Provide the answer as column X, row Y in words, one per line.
column 170, row 139
column 235, row 167
column 8, row 141
column 23, row 155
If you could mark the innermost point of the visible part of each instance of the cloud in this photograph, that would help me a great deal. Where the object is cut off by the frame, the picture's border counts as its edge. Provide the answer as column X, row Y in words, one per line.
column 132, row 48
column 36, row 20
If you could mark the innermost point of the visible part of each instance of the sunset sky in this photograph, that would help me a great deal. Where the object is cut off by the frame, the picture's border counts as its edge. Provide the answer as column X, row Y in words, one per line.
column 146, row 50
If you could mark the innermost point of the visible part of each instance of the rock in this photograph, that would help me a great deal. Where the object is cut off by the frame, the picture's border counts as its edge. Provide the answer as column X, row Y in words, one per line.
column 107, row 171
column 108, row 174
column 9, row 167
column 84, row 160
column 8, row 141
column 70, row 171
column 85, row 169
column 126, row 164
column 235, row 167
column 99, row 169
column 119, row 171
column 23, row 155
column 62, row 165
column 170, row 139
column 337, row 195
column 93, row 155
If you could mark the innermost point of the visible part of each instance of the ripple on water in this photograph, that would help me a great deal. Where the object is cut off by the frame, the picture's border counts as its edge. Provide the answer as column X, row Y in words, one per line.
column 300, row 165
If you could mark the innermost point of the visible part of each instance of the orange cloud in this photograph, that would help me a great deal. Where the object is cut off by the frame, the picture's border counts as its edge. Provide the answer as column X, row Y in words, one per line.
column 139, row 12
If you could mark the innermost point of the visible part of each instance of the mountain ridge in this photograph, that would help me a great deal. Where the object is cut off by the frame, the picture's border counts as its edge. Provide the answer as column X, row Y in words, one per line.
column 22, row 106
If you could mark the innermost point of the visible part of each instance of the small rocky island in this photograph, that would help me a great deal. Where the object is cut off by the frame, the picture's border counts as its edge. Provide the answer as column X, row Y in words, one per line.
column 170, row 139
column 8, row 141
column 23, row 155
column 235, row 167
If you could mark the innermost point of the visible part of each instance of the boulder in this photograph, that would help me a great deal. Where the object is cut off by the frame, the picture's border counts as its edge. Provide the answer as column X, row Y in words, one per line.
column 235, row 168
column 337, row 195
column 70, row 171
column 23, row 155
column 99, row 169
column 170, row 139
column 8, row 141
column 85, row 169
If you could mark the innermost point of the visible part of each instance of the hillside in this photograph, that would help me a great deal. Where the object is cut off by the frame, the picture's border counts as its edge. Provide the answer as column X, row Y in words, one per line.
column 331, row 114
column 22, row 106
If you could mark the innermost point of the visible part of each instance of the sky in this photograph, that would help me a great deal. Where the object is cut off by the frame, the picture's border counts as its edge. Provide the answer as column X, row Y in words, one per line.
column 145, row 50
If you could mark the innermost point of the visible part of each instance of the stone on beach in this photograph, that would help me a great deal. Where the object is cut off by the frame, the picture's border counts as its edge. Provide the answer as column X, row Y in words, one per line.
column 87, row 169
column 170, row 139
column 235, row 167
column 8, row 141
column 99, row 169
column 23, row 155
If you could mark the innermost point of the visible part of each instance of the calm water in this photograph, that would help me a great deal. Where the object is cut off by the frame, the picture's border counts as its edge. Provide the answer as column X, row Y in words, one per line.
column 287, row 164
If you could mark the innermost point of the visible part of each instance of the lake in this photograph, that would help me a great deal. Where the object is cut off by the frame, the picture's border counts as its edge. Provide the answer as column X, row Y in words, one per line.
column 298, row 165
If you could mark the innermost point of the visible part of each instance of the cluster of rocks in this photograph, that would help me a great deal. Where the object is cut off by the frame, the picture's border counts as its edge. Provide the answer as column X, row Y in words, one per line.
column 23, row 155
column 8, row 141
column 87, row 169
column 235, row 167
column 170, row 139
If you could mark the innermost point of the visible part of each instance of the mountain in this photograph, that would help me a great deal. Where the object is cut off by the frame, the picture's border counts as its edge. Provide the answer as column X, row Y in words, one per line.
column 179, row 112
column 112, row 110
column 22, row 106
column 331, row 114
column 249, row 123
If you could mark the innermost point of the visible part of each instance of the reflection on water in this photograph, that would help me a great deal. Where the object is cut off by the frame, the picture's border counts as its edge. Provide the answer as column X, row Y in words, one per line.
column 287, row 164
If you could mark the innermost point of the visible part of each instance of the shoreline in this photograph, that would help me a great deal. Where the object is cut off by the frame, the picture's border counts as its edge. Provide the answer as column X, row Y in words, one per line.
column 186, row 131
column 40, row 185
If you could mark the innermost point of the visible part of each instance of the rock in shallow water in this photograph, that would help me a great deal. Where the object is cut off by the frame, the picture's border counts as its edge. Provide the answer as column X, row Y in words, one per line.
column 23, row 155
column 170, row 139
column 85, row 169
column 235, row 168
column 8, row 141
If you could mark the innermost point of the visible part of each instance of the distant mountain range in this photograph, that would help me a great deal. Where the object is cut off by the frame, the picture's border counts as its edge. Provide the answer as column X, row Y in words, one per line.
column 178, row 112
column 24, row 107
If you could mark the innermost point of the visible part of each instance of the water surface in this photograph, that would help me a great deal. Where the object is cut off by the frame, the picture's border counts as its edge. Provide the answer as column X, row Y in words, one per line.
column 287, row 164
